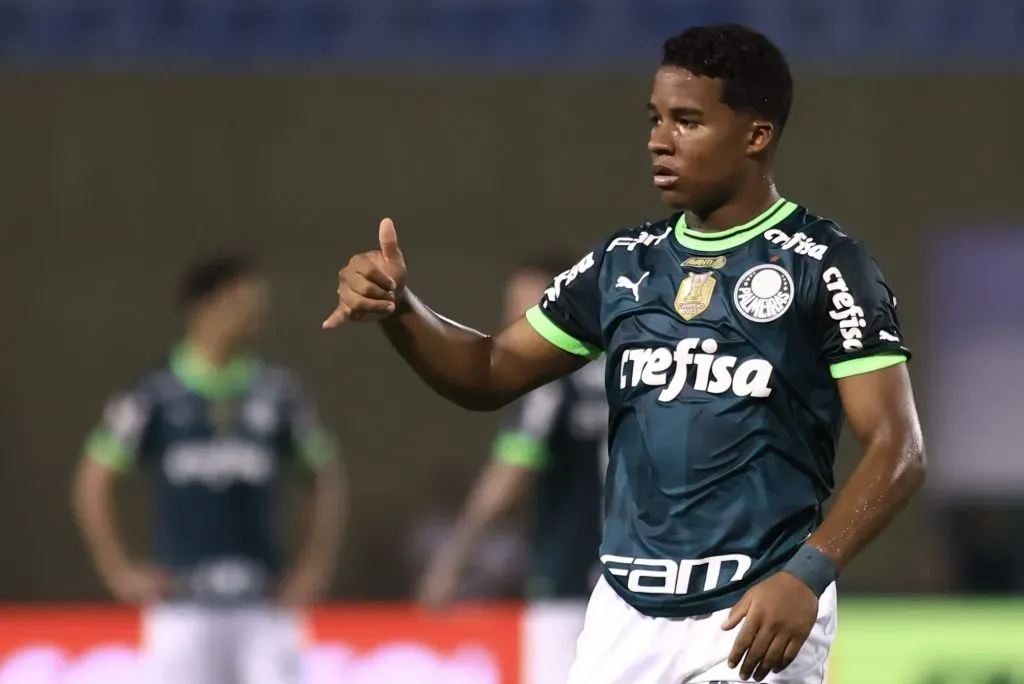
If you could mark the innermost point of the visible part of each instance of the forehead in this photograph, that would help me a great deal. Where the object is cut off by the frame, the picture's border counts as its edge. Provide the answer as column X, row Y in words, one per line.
column 678, row 88
column 250, row 285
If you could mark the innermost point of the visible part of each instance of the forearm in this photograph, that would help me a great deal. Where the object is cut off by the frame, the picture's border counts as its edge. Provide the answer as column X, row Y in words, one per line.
column 95, row 513
column 500, row 488
column 890, row 473
column 328, row 513
column 455, row 361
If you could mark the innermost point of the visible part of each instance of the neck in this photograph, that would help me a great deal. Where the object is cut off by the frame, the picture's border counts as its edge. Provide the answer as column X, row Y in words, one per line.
column 751, row 201
column 212, row 348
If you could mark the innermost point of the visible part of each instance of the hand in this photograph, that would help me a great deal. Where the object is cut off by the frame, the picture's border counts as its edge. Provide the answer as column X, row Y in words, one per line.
column 437, row 588
column 304, row 584
column 777, row 617
column 137, row 583
column 370, row 286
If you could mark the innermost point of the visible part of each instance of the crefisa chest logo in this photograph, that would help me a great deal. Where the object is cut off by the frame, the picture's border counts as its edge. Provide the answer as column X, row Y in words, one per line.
column 763, row 293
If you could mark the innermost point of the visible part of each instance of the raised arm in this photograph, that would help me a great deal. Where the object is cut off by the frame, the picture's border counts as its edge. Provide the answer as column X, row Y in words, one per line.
column 474, row 370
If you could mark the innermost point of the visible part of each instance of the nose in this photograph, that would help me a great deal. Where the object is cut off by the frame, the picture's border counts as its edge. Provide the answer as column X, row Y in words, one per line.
column 660, row 142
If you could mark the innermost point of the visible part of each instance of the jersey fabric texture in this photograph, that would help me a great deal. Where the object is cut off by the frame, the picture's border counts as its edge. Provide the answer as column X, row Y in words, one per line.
column 723, row 351
column 214, row 441
column 560, row 432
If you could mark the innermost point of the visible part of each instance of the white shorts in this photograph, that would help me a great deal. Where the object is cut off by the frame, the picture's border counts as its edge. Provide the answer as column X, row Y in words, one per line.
column 621, row 646
column 550, row 630
column 191, row 644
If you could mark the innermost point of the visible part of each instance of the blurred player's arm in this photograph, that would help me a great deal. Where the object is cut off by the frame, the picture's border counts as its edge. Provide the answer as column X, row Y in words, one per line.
column 474, row 370
column 518, row 454
column 316, row 451
column 109, row 452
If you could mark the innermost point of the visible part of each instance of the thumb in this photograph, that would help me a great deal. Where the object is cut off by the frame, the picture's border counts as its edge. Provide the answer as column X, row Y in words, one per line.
column 736, row 615
column 389, row 241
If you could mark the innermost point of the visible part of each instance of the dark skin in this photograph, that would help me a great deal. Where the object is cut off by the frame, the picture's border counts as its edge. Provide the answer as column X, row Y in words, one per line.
column 714, row 163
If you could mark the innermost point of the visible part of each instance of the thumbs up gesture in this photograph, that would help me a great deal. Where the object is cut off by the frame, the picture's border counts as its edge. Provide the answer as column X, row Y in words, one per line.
column 370, row 285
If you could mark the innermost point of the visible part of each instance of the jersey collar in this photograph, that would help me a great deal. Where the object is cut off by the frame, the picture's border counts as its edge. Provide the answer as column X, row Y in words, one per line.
column 731, row 238
column 200, row 376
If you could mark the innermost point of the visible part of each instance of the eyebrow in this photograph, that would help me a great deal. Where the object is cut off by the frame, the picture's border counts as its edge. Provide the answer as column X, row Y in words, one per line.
column 677, row 111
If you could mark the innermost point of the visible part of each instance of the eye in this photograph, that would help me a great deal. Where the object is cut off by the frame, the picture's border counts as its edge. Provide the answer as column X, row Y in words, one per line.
column 654, row 120
column 687, row 124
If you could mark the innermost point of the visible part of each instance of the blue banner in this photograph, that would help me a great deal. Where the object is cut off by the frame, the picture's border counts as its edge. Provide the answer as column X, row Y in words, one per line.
column 861, row 34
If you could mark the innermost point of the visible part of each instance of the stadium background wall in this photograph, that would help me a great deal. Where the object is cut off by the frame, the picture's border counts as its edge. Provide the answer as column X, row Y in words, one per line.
column 131, row 175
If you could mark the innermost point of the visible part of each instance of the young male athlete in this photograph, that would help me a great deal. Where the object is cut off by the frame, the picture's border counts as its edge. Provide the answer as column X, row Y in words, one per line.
column 216, row 430
column 738, row 333
column 553, row 445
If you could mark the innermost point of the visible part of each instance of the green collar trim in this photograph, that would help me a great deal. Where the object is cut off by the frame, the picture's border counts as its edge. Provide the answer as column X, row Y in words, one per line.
column 202, row 377
column 723, row 240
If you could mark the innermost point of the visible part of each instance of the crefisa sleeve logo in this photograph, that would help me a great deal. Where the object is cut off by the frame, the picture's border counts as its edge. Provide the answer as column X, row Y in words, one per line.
column 763, row 293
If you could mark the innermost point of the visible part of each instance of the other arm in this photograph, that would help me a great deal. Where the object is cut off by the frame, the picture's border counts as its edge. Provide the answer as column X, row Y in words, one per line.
column 110, row 451
column 519, row 452
column 314, row 448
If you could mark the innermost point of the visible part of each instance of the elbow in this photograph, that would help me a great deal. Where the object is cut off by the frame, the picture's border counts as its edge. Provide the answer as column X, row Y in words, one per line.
column 913, row 465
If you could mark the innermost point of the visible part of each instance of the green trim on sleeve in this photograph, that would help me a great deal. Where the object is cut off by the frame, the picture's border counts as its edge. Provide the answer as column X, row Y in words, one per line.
column 868, row 364
column 547, row 329
column 316, row 450
column 104, row 447
column 521, row 449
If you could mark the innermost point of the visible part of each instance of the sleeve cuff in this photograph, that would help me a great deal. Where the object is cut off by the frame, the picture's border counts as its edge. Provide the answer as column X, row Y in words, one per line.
column 868, row 364
column 547, row 329
column 317, row 450
column 105, row 448
column 522, row 450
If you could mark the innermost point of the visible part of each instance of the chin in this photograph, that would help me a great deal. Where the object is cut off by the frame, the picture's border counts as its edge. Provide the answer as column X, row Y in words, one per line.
column 675, row 198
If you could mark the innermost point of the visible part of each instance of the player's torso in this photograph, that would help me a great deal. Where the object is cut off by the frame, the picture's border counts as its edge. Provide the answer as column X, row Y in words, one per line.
column 215, row 463
column 566, row 522
column 723, row 416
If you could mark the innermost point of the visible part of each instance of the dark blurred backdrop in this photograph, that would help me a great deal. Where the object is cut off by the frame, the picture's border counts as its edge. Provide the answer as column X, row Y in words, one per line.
column 112, row 181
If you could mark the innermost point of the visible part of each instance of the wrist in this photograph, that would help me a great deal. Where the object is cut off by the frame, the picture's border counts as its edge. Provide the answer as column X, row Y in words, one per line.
column 812, row 567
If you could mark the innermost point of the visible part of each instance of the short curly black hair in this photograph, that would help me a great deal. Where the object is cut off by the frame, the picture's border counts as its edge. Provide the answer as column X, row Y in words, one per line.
column 754, row 73
column 209, row 276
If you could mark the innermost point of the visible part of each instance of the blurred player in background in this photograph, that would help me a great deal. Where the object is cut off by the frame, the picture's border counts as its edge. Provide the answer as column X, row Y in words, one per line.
column 739, row 330
column 553, row 442
column 216, row 429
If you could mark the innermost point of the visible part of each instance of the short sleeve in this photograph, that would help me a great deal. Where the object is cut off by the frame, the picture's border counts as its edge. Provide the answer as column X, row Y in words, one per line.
column 569, row 314
column 310, row 443
column 860, row 329
column 527, row 426
column 117, row 441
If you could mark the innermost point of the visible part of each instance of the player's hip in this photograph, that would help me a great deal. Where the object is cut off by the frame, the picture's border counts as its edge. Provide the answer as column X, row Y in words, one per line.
column 220, row 579
column 620, row 645
column 204, row 644
column 682, row 580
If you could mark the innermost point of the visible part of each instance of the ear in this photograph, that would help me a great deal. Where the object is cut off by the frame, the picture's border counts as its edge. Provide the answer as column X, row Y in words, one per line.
column 762, row 134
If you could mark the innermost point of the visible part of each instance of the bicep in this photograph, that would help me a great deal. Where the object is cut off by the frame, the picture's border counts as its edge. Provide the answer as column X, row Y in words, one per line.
column 879, row 405
column 522, row 359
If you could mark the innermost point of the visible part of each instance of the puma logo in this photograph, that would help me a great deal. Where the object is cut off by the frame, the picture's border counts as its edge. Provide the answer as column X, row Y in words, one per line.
column 627, row 284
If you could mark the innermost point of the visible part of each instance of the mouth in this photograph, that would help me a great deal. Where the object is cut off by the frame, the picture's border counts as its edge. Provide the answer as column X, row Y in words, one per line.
column 664, row 177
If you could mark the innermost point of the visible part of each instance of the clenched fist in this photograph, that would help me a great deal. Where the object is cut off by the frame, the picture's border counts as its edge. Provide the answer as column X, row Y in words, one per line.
column 370, row 285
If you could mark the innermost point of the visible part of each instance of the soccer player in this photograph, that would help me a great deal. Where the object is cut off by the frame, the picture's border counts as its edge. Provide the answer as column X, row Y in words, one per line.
column 738, row 332
column 553, row 442
column 216, row 429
